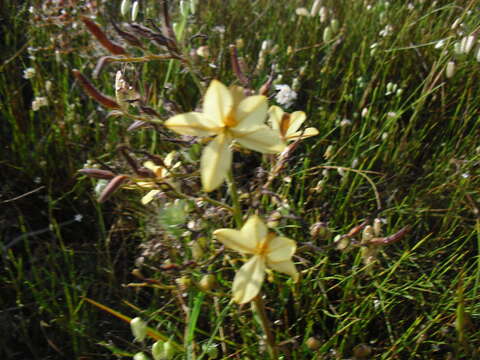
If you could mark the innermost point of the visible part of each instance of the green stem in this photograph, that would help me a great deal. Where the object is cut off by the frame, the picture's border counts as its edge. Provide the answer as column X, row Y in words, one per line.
column 259, row 308
column 232, row 189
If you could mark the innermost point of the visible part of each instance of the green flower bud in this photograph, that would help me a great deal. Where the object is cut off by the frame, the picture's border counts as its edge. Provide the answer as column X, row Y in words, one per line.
column 140, row 356
column 168, row 350
column 334, row 25
column 158, row 350
column 139, row 328
column 327, row 34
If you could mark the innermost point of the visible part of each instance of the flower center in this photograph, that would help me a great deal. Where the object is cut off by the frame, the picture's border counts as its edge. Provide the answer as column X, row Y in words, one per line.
column 284, row 123
column 262, row 248
column 230, row 120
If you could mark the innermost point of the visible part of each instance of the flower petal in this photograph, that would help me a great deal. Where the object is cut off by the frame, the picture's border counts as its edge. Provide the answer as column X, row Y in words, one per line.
column 238, row 94
column 280, row 249
column 297, row 118
column 251, row 112
column 261, row 139
column 218, row 102
column 285, row 267
column 215, row 162
column 193, row 124
column 150, row 165
column 235, row 240
column 149, row 196
column 308, row 132
column 248, row 280
column 254, row 231
column 275, row 117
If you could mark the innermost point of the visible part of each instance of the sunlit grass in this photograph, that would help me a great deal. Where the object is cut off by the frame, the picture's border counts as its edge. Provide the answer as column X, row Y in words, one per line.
column 409, row 157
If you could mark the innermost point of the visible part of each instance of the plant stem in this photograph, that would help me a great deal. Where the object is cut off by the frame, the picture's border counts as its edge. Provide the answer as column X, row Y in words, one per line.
column 232, row 189
column 259, row 308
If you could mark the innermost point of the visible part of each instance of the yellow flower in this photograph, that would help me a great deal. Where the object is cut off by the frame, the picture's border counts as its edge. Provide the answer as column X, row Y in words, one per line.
column 287, row 125
column 161, row 174
column 268, row 250
column 229, row 116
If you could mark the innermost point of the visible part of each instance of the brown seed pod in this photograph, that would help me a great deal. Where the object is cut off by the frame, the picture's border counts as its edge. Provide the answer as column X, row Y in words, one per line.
column 112, row 186
column 105, row 100
column 97, row 173
column 102, row 38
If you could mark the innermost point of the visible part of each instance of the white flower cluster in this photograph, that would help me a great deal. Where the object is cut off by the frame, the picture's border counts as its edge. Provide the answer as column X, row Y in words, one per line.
column 285, row 96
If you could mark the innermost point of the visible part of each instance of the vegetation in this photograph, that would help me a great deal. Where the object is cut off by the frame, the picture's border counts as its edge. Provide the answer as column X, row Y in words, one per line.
column 380, row 208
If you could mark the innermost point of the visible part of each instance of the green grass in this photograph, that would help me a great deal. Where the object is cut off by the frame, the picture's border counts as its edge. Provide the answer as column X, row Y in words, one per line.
column 417, row 151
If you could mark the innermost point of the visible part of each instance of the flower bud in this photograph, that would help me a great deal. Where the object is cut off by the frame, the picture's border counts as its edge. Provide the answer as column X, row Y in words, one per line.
column 377, row 227
column 327, row 34
column 184, row 8
column 157, row 350
column 134, row 11
column 197, row 251
column 329, row 152
column 450, row 70
column 207, row 282
column 296, row 84
column 139, row 328
column 125, row 7
column 302, row 12
column 467, row 44
column 315, row 8
column 341, row 242
column 239, row 43
column 140, row 356
column 364, row 112
column 313, row 343
column 335, row 26
column 319, row 230
column 203, row 51
column 367, row 234
column 183, row 282
column 193, row 6
column 323, row 13
column 362, row 351
column 168, row 350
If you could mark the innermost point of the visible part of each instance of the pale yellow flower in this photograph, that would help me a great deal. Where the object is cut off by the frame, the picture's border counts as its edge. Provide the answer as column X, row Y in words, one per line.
column 229, row 116
column 161, row 174
column 268, row 250
column 287, row 125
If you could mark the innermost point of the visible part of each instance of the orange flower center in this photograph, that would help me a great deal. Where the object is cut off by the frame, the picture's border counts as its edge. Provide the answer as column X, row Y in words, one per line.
column 284, row 124
column 230, row 120
column 262, row 247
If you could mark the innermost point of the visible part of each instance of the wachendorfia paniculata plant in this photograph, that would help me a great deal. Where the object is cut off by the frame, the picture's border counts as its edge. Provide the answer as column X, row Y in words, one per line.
column 199, row 182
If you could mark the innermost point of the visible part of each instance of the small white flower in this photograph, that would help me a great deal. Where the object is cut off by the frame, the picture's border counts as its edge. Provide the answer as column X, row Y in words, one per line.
column 440, row 43
column 39, row 102
column 386, row 31
column 78, row 218
column 285, row 96
column 302, row 12
column 28, row 73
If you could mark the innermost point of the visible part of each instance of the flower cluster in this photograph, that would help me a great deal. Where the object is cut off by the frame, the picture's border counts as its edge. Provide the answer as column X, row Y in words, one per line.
column 229, row 116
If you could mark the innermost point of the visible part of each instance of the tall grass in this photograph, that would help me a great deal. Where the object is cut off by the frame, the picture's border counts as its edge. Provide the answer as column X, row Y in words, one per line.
column 410, row 157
